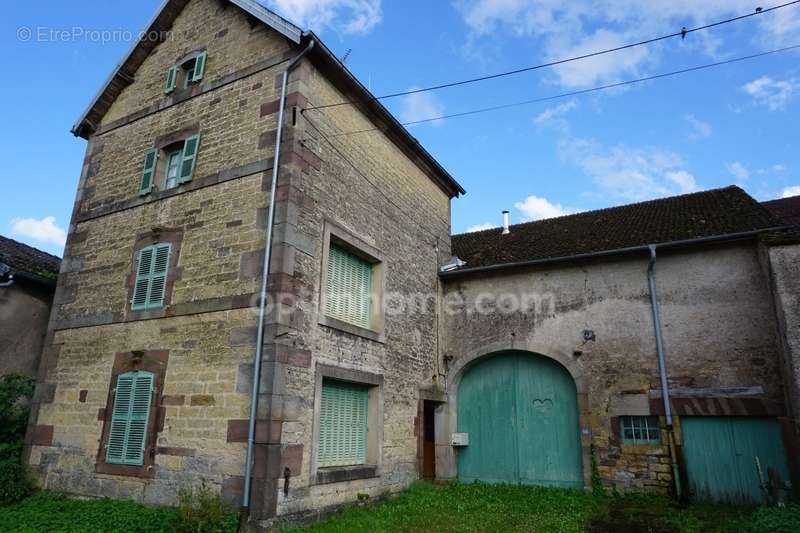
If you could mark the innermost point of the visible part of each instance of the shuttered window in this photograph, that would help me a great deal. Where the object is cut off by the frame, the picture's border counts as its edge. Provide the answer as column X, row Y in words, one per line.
column 151, row 277
column 640, row 429
column 343, row 424
column 127, row 437
column 172, row 78
column 148, row 171
column 190, row 147
column 199, row 67
column 349, row 287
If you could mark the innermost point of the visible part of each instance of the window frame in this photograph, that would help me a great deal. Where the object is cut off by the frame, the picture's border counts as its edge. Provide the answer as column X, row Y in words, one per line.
column 334, row 234
column 647, row 423
column 155, row 362
column 373, row 466
column 177, row 156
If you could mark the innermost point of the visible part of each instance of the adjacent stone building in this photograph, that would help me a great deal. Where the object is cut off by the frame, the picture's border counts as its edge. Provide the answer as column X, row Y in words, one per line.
column 27, row 283
column 374, row 335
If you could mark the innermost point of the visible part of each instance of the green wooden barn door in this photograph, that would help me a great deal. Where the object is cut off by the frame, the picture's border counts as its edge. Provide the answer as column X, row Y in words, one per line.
column 520, row 411
column 720, row 456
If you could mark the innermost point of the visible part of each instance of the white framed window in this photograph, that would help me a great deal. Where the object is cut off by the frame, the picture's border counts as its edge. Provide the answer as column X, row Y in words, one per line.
column 640, row 429
column 172, row 169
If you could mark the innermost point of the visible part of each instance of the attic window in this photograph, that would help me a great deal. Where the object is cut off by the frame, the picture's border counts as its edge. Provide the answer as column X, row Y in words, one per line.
column 183, row 74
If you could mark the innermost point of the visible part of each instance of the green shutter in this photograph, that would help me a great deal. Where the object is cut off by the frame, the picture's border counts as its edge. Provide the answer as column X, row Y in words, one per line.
column 151, row 277
column 127, row 437
column 149, row 170
column 172, row 78
column 199, row 67
column 349, row 287
column 190, row 147
column 343, row 424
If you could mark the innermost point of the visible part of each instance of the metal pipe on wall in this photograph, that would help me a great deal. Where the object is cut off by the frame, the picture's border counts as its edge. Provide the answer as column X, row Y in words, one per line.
column 662, row 366
column 251, row 430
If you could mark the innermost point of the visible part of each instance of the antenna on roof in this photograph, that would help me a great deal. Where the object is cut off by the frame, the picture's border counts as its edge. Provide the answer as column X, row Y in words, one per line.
column 346, row 55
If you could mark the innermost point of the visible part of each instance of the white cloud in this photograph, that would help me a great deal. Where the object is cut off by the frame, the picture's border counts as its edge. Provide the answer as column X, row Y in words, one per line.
column 538, row 208
column 794, row 190
column 779, row 168
column 347, row 16
column 774, row 94
column 481, row 227
column 627, row 173
column 421, row 106
column 562, row 29
column 554, row 112
column 45, row 230
column 739, row 171
column 700, row 129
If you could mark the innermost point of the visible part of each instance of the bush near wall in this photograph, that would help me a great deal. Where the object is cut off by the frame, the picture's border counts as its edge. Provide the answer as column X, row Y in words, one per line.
column 15, row 391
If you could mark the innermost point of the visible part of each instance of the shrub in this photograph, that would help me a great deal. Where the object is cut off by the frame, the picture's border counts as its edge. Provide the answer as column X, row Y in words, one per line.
column 202, row 510
column 15, row 390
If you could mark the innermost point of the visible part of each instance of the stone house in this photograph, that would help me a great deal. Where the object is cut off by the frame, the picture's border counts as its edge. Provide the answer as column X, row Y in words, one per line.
column 156, row 333
column 27, row 283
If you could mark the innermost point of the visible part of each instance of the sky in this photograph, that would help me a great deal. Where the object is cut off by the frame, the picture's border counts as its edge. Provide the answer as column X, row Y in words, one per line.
column 733, row 124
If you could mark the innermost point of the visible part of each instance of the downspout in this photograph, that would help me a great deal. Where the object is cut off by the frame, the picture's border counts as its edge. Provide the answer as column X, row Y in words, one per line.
column 251, row 430
column 8, row 283
column 662, row 368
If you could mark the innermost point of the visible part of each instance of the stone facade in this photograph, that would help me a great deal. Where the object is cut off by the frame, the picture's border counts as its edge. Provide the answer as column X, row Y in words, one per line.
column 719, row 328
column 204, row 337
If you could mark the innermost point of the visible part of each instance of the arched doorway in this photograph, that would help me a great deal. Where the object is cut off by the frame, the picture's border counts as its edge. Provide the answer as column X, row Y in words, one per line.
column 520, row 411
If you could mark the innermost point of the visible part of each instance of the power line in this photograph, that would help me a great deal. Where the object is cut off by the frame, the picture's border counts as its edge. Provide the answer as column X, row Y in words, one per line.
column 578, row 92
column 682, row 33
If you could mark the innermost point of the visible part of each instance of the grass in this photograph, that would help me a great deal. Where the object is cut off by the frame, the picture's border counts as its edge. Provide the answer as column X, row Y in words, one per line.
column 479, row 507
column 48, row 512
column 473, row 507
column 424, row 507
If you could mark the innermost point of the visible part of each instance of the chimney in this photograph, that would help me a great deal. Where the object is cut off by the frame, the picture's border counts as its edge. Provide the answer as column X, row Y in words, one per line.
column 506, row 231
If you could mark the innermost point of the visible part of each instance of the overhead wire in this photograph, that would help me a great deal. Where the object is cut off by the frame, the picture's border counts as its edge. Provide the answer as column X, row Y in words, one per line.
column 681, row 33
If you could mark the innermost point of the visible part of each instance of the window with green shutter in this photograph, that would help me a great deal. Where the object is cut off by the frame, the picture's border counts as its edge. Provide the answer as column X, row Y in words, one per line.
column 640, row 429
column 343, row 424
column 172, row 79
column 130, row 416
column 190, row 147
column 199, row 67
column 349, row 287
column 151, row 277
column 149, row 170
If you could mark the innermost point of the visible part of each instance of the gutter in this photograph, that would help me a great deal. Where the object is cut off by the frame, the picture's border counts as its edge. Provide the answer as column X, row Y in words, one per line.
column 662, row 368
column 264, row 278
column 8, row 283
column 616, row 251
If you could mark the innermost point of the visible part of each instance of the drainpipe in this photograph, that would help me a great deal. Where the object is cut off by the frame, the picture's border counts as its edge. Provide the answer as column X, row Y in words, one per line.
column 251, row 430
column 662, row 367
column 8, row 283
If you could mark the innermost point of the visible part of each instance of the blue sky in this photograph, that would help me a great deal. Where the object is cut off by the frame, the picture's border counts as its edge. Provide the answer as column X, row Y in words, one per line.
column 735, row 124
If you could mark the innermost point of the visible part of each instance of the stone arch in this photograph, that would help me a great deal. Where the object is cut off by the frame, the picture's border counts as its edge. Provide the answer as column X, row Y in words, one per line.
column 446, row 415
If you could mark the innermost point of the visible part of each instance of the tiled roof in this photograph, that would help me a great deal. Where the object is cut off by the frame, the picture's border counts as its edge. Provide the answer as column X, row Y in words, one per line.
column 25, row 259
column 703, row 214
column 786, row 209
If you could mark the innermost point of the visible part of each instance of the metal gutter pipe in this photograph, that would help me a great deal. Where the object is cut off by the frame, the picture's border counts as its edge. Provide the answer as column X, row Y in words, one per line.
column 8, row 283
column 251, row 430
column 662, row 366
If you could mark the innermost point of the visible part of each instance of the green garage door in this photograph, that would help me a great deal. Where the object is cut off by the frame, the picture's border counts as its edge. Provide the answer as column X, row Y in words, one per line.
column 521, row 414
column 720, row 456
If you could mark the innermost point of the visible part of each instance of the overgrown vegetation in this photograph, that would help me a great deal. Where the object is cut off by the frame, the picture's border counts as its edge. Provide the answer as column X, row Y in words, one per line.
column 15, row 391
column 471, row 507
column 479, row 507
column 202, row 510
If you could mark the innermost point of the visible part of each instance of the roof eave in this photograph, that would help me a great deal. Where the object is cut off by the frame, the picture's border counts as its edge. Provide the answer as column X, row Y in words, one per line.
column 606, row 253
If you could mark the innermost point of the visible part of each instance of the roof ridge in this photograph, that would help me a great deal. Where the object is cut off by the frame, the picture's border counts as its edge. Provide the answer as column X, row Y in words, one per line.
column 609, row 208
